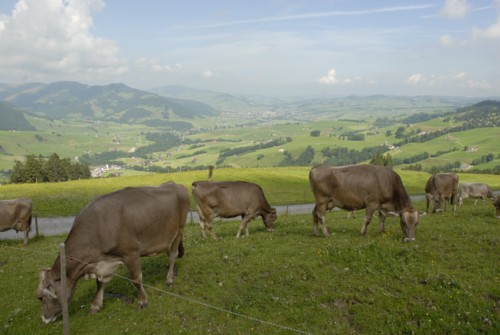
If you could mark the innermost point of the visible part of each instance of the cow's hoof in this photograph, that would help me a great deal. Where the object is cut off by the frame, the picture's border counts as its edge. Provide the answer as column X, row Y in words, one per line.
column 94, row 309
column 143, row 304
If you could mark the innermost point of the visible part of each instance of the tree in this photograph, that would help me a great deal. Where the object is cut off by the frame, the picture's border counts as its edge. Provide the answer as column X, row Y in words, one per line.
column 380, row 159
column 17, row 175
column 53, row 169
column 305, row 157
column 399, row 132
column 315, row 133
column 33, row 169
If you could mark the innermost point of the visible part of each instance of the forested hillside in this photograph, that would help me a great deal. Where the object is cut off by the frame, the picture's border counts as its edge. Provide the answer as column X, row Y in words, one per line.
column 12, row 118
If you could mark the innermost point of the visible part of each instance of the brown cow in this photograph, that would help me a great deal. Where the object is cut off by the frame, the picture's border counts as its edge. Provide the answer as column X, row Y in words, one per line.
column 16, row 214
column 362, row 186
column 475, row 191
column 497, row 206
column 229, row 199
column 114, row 229
column 441, row 187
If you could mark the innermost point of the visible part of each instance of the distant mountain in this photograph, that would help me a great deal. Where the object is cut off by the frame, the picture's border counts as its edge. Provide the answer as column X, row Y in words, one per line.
column 113, row 102
column 223, row 102
column 12, row 118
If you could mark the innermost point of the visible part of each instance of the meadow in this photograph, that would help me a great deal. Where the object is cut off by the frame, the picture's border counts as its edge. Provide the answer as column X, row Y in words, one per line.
column 287, row 281
column 282, row 186
column 284, row 282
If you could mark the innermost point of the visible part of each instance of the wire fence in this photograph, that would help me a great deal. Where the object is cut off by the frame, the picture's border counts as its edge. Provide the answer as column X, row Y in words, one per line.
column 172, row 294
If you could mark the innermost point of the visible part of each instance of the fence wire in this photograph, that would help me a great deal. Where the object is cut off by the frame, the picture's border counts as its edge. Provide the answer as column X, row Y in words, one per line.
column 175, row 295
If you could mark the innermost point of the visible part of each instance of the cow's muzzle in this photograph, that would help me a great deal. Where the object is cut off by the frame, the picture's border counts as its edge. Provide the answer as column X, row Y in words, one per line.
column 49, row 320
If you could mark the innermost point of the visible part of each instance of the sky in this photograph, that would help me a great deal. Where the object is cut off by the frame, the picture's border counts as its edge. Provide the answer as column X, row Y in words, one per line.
column 295, row 48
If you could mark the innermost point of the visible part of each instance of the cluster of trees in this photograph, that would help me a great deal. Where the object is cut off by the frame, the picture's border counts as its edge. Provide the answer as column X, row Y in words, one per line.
column 38, row 169
column 484, row 159
column 343, row 156
column 304, row 159
column 379, row 159
column 242, row 150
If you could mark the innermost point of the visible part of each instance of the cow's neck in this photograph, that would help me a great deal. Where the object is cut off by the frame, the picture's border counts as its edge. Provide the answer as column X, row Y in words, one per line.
column 74, row 269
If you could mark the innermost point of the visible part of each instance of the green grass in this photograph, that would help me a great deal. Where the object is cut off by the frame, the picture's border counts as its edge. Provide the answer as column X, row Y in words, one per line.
column 282, row 186
column 447, row 282
column 73, row 138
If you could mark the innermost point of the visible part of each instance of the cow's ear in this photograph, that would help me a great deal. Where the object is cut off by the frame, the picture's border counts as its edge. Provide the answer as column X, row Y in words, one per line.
column 391, row 213
column 41, row 274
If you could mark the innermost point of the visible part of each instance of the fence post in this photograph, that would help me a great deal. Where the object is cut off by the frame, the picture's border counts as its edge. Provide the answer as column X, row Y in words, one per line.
column 36, row 225
column 64, row 299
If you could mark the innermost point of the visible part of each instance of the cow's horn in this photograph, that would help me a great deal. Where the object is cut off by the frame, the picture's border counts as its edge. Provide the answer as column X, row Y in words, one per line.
column 49, row 292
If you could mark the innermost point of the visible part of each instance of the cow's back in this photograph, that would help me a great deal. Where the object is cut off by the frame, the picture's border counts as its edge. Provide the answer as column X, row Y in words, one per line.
column 15, row 212
column 135, row 218
column 444, row 183
column 222, row 195
column 350, row 183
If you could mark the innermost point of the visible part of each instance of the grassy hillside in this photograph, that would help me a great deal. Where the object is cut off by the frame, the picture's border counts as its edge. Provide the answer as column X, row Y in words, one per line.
column 282, row 186
column 375, row 120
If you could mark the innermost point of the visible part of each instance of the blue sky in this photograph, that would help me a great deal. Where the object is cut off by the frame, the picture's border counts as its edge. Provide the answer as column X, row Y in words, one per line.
column 277, row 47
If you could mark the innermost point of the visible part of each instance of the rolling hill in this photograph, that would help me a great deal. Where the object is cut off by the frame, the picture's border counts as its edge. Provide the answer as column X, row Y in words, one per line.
column 113, row 102
column 179, row 129
column 12, row 118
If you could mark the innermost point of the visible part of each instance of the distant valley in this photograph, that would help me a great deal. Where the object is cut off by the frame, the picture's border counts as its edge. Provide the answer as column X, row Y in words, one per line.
column 174, row 127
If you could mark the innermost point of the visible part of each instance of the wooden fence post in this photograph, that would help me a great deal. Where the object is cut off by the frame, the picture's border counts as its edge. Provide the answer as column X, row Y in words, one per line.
column 36, row 225
column 64, row 299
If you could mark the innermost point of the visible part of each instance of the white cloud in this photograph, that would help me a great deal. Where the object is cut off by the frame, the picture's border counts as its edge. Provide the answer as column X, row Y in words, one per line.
column 414, row 78
column 52, row 40
column 446, row 40
column 458, row 79
column 481, row 84
column 331, row 78
column 455, row 9
column 207, row 74
column 490, row 33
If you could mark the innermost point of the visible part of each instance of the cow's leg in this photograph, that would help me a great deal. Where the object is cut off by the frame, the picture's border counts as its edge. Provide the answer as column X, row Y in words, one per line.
column 26, row 236
column 98, row 299
column 368, row 217
column 244, row 225
column 210, row 227
column 174, row 252
column 133, row 263
column 381, row 219
column 201, row 221
column 318, row 214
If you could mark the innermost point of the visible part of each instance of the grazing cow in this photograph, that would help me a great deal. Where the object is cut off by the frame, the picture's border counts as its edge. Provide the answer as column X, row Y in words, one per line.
column 229, row 199
column 497, row 206
column 474, row 190
column 16, row 214
column 114, row 229
column 362, row 186
column 441, row 187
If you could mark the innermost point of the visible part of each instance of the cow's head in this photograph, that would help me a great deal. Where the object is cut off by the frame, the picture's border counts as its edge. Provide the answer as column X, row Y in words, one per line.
column 49, row 291
column 497, row 206
column 269, row 219
column 408, row 219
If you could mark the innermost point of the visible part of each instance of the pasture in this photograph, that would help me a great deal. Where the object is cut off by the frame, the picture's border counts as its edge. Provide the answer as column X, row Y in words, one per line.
column 287, row 282
column 282, row 186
